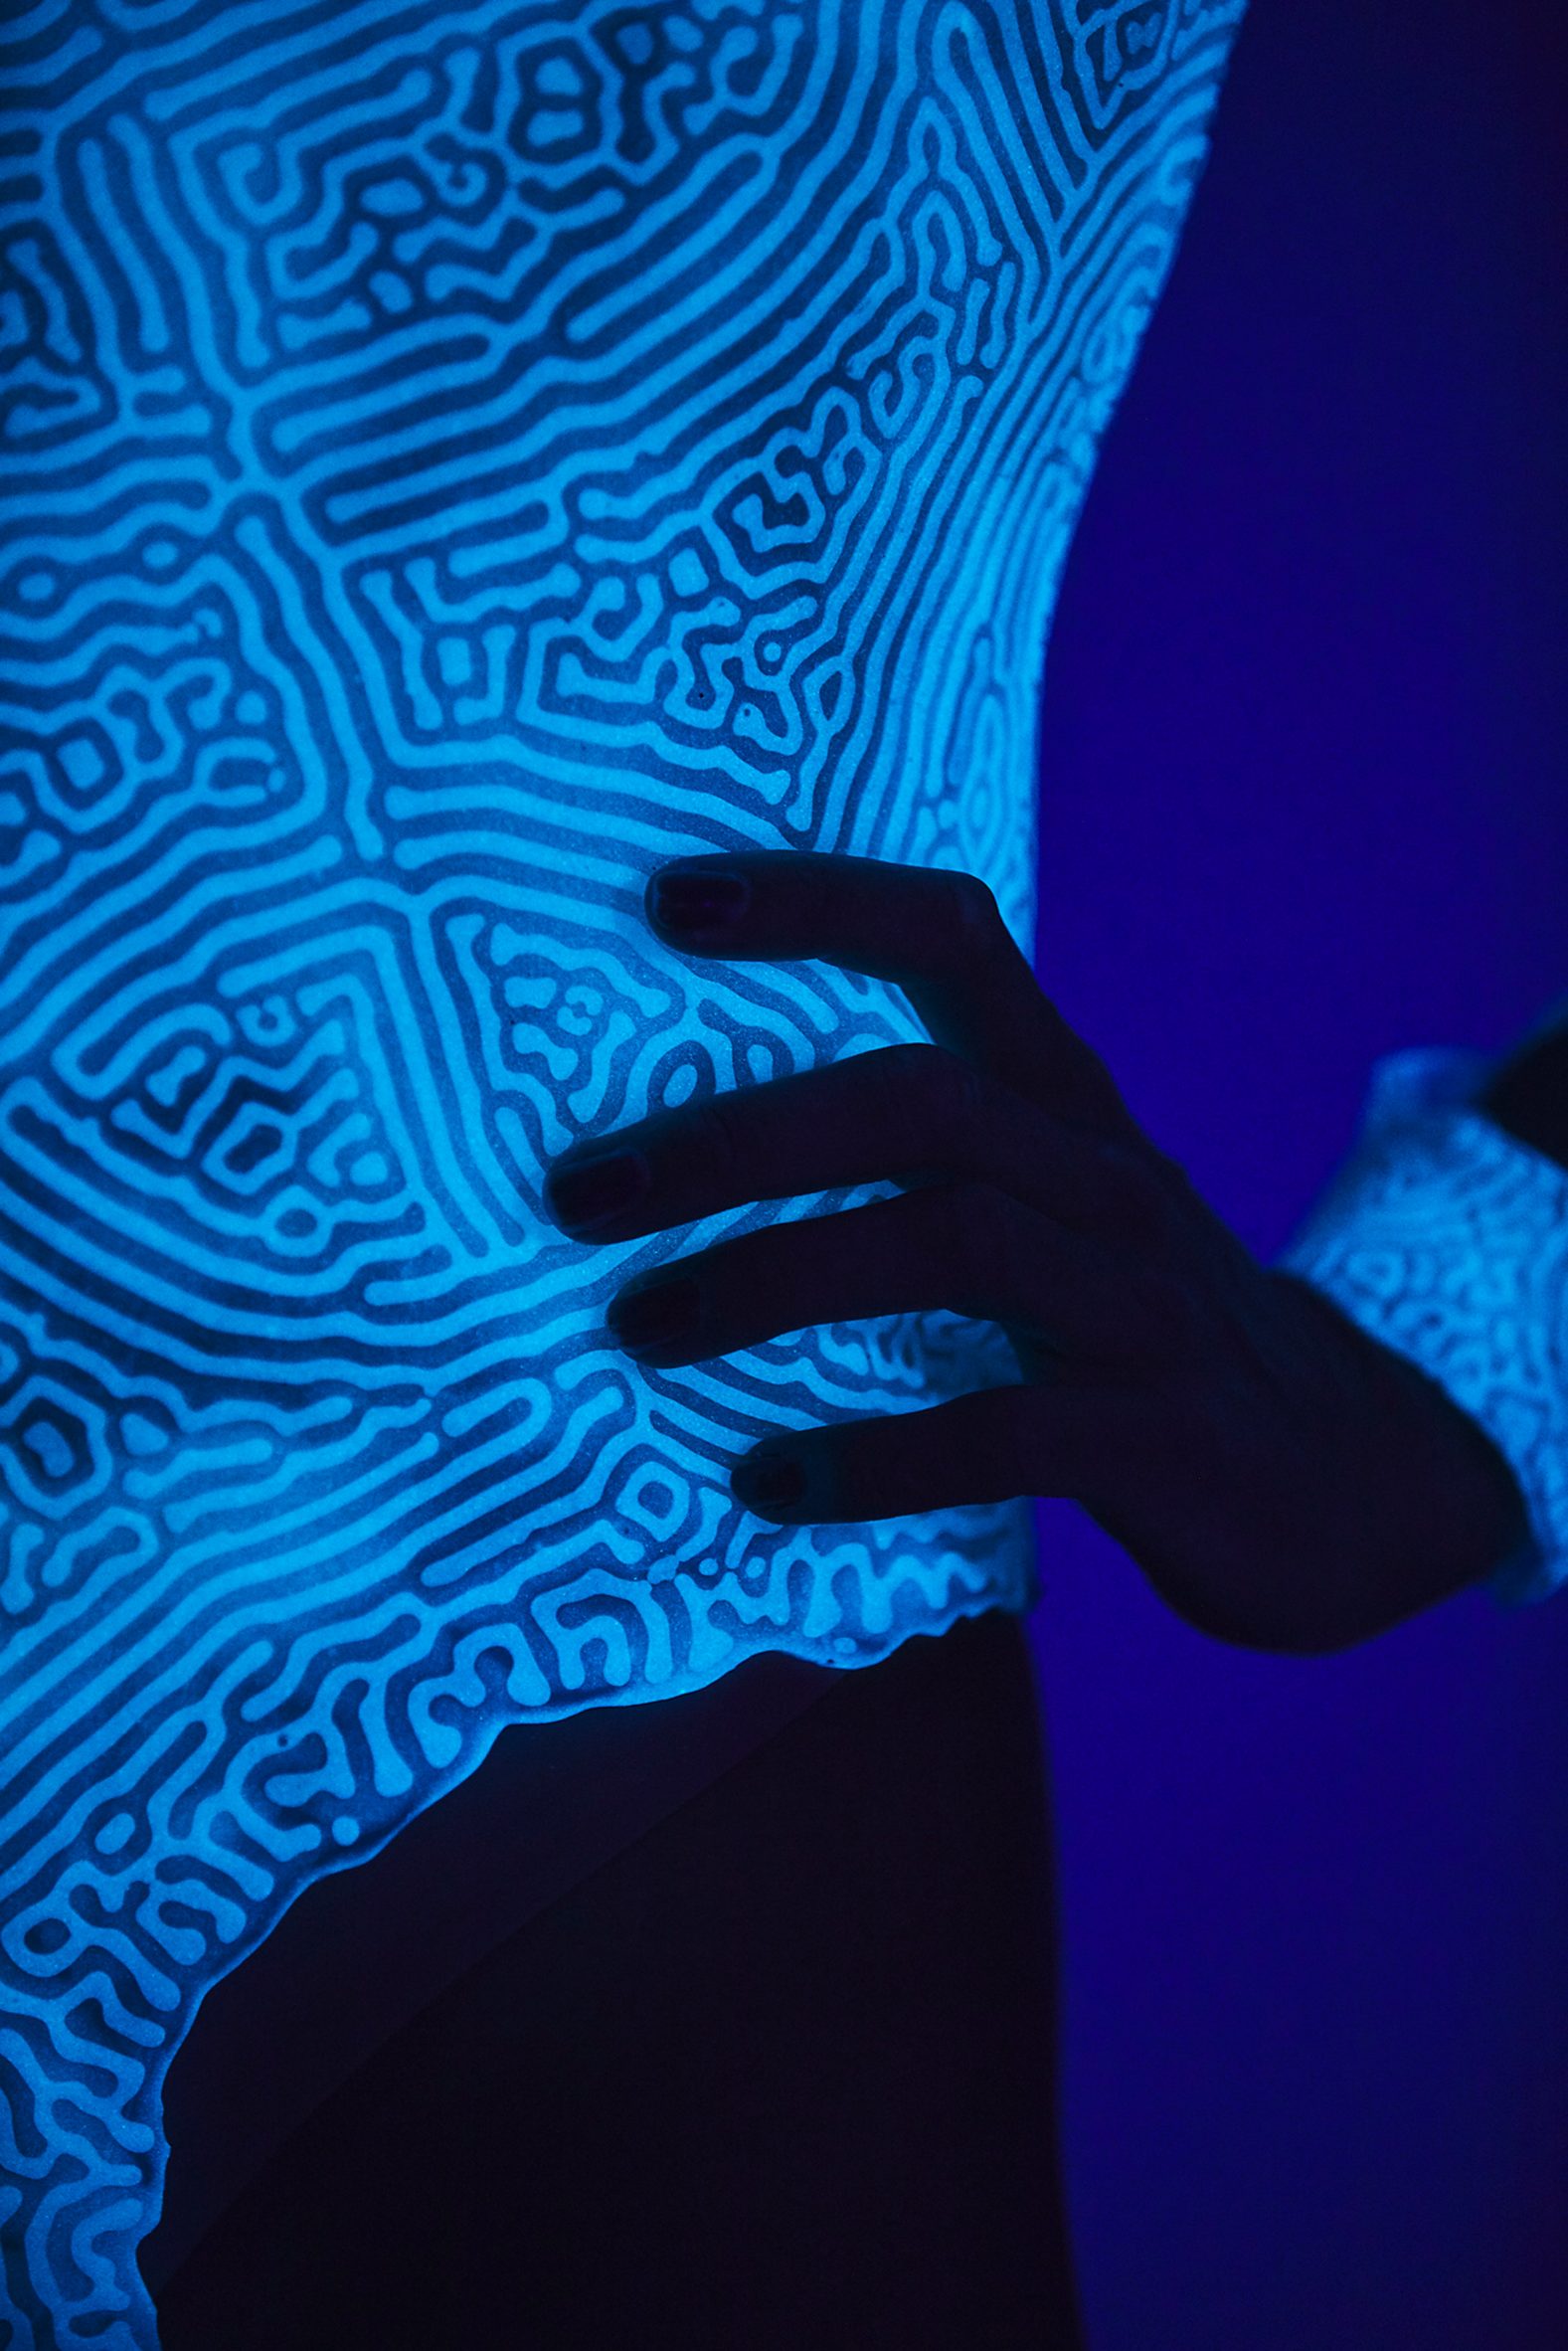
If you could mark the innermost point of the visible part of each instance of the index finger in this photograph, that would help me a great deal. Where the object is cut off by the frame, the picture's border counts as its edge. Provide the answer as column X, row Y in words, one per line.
column 938, row 934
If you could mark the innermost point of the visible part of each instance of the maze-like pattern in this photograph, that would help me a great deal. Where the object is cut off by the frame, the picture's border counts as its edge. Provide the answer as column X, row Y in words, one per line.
column 1448, row 1239
column 455, row 457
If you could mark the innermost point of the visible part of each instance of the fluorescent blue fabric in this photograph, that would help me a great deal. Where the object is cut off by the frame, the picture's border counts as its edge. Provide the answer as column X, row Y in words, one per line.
column 457, row 458
column 1447, row 1238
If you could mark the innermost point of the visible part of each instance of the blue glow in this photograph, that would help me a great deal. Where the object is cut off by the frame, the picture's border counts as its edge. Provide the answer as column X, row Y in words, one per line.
column 456, row 459
column 1447, row 1238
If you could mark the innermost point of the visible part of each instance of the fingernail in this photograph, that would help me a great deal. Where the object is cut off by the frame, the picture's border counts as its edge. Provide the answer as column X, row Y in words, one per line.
column 697, row 901
column 654, row 1313
column 591, row 1190
column 768, row 1481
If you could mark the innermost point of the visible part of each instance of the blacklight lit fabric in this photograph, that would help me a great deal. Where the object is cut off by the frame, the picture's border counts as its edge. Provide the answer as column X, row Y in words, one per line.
column 454, row 458
column 1447, row 1238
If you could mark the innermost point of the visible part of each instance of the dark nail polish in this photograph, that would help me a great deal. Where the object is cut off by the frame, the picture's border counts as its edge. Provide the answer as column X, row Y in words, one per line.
column 653, row 1313
column 591, row 1190
column 768, row 1481
column 697, row 901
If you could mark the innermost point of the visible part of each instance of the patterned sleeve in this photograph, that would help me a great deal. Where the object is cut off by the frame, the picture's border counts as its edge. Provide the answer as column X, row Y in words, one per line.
column 1447, row 1238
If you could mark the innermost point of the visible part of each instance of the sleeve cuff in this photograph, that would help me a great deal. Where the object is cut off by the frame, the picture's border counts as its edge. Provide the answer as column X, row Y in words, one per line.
column 1447, row 1238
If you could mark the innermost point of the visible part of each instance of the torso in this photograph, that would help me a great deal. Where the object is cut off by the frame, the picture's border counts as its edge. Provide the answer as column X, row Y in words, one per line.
column 460, row 458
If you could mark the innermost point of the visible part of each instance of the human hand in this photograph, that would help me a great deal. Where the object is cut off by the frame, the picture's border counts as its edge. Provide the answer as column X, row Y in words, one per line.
column 1281, row 1479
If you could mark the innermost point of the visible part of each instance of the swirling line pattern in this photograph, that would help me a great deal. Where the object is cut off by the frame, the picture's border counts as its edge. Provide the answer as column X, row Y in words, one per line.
column 1448, row 1239
column 457, row 456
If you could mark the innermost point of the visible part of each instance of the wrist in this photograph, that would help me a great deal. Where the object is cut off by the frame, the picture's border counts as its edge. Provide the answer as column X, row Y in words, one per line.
column 1432, row 1506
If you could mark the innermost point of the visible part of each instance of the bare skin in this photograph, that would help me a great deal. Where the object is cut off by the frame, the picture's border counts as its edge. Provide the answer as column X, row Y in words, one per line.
column 1283, row 1480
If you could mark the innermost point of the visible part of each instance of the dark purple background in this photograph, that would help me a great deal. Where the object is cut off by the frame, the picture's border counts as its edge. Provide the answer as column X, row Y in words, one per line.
column 1305, row 802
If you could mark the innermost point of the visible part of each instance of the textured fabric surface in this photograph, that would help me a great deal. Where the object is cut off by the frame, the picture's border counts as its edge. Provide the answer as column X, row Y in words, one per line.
column 457, row 458
column 1447, row 1238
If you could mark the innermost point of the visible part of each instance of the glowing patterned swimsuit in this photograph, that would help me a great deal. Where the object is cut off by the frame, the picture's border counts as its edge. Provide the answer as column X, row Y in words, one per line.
column 455, row 458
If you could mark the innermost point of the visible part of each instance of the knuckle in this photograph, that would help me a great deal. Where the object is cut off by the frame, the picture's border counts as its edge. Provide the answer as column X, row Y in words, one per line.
column 1100, row 1088
column 974, row 917
column 956, row 1102
column 1135, row 1198
column 928, row 1099
column 904, row 1069
column 1164, row 1319
column 970, row 1243
column 714, row 1143
column 892, row 1078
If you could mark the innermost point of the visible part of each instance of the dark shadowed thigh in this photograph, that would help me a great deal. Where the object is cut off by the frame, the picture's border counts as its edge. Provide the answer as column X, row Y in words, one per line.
column 781, row 2075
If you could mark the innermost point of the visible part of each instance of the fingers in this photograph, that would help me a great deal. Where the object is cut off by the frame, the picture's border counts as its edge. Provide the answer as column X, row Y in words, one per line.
column 905, row 1112
column 969, row 1248
column 938, row 934
column 991, row 1447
